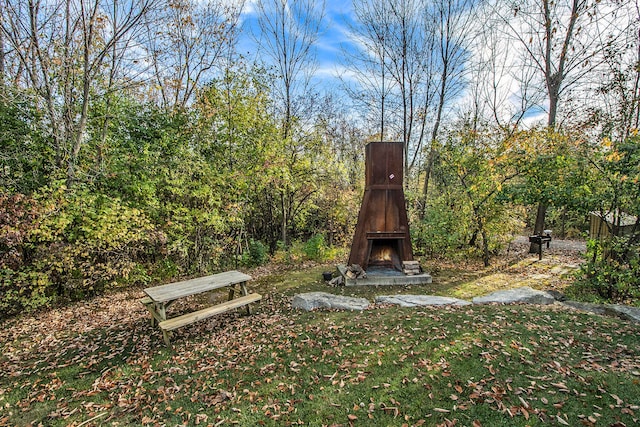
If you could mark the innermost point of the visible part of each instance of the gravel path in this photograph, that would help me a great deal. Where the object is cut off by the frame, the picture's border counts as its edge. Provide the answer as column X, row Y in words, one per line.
column 569, row 245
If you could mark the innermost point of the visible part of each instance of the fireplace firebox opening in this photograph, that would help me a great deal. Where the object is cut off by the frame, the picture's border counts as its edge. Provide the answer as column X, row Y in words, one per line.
column 385, row 253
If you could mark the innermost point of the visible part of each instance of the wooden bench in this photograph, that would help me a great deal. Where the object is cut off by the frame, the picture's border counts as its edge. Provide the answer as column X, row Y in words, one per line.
column 159, row 298
column 205, row 313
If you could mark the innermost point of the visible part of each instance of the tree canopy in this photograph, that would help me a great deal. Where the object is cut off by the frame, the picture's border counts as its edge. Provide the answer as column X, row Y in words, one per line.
column 139, row 141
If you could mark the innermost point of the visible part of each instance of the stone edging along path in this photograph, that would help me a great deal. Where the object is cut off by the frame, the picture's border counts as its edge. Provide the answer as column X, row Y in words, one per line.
column 524, row 295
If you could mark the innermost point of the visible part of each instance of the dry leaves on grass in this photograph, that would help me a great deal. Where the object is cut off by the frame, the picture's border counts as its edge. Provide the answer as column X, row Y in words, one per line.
column 102, row 361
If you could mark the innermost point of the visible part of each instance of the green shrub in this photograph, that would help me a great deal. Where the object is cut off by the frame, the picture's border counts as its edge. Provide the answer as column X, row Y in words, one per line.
column 70, row 244
column 165, row 269
column 315, row 248
column 444, row 231
column 89, row 242
column 256, row 255
column 23, row 290
column 288, row 254
column 611, row 273
column 22, row 286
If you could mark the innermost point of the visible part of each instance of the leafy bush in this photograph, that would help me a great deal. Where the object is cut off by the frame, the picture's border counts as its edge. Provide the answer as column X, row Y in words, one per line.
column 70, row 243
column 26, row 158
column 444, row 230
column 23, row 290
column 315, row 248
column 256, row 255
column 89, row 242
column 504, row 226
column 18, row 218
column 612, row 271
column 21, row 286
column 288, row 254
column 449, row 228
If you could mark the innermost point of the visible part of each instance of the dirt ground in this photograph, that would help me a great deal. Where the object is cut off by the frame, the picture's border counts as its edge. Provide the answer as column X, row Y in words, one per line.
column 514, row 268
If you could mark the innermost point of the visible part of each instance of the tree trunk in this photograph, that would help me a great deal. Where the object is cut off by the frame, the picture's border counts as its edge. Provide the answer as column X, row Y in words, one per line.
column 485, row 248
column 382, row 98
column 427, row 176
column 539, row 226
column 283, row 231
column 554, row 80
column 474, row 237
column 2, row 55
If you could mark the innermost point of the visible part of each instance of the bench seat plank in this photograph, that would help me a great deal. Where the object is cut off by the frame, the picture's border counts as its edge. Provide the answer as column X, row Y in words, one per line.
column 200, row 285
column 185, row 319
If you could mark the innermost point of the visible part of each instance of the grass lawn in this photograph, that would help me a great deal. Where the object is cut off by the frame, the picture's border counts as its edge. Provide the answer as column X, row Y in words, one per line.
column 101, row 363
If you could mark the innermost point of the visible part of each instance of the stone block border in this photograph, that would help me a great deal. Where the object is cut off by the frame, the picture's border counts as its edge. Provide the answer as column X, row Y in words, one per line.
column 524, row 295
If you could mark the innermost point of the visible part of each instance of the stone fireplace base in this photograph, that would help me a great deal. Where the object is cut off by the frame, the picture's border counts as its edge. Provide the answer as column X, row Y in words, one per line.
column 385, row 277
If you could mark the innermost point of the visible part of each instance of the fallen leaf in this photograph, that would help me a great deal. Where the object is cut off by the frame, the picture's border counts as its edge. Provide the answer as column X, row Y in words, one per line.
column 561, row 386
column 617, row 399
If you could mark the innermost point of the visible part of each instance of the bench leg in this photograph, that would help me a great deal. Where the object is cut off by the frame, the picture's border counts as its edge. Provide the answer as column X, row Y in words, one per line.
column 243, row 286
column 242, row 290
column 151, row 309
column 157, row 313
column 166, row 335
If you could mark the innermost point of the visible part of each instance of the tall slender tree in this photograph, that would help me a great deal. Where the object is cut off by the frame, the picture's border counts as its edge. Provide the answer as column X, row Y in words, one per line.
column 394, row 70
column 3, row 71
column 369, row 83
column 288, row 32
column 453, row 22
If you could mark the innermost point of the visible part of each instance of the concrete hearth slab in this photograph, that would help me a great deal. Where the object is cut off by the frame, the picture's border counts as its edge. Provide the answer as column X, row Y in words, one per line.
column 380, row 278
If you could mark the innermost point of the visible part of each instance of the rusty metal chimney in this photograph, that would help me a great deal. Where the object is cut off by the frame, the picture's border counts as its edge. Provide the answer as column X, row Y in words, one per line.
column 382, row 235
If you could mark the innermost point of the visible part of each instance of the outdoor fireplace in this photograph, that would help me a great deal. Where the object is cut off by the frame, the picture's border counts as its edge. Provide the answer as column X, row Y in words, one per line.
column 381, row 239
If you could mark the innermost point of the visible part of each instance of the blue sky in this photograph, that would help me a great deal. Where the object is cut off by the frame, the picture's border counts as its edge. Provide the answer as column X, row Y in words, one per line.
column 338, row 15
column 334, row 41
column 329, row 47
